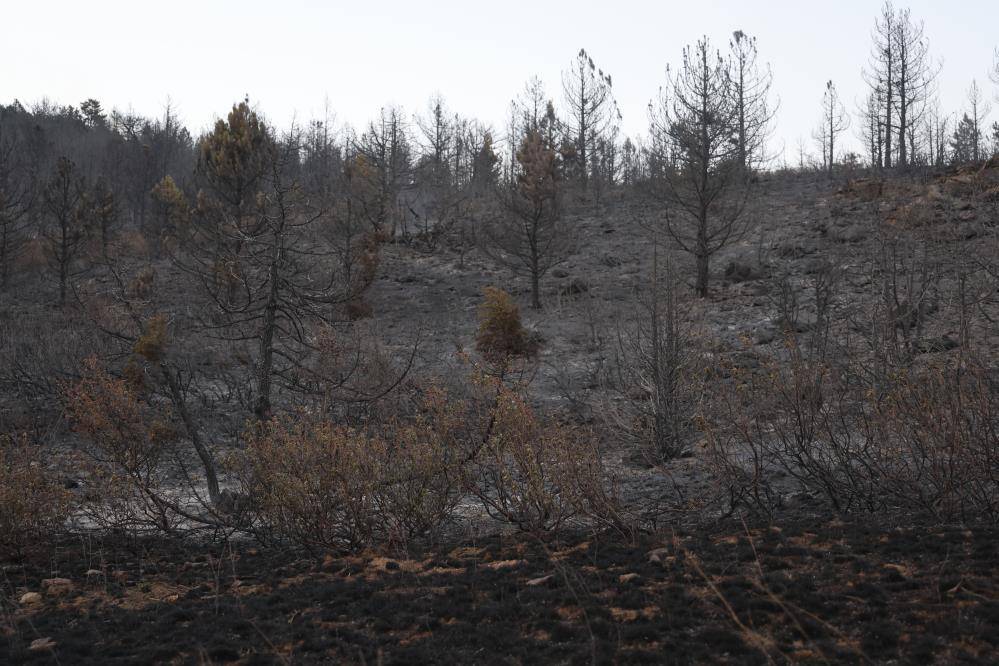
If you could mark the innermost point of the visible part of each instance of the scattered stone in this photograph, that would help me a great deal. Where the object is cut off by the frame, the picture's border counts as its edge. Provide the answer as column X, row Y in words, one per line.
column 505, row 564
column 543, row 580
column 30, row 598
column 659, row 556
column 41, row 644
column 57, row 587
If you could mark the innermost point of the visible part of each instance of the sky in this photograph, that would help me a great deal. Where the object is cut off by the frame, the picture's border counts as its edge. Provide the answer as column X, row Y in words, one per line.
column 295, row 57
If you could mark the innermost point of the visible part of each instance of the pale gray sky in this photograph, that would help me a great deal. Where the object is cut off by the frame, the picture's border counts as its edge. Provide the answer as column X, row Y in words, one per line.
column 290, row 56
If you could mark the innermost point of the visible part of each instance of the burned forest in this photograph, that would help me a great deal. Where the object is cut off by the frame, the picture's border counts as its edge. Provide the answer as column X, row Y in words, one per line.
column 540, row 389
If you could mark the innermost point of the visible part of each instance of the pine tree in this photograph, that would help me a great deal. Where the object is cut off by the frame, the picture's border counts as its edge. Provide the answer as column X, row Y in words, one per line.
column 531, row 237
column 64, row 201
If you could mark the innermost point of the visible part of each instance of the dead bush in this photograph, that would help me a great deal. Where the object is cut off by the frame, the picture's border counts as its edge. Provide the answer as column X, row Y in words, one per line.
column 126, row 444
column 33, row 506
column 799, row 419
column 538, row 476
column 131, row 243
column 937, row 431
column 501, row 335
column 653, row 377
column 142, row 286
column 325, row 486
column 312, row 483
column 920, row 441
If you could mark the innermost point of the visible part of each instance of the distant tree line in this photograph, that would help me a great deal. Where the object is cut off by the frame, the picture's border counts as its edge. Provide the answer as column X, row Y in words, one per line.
column 75, row 180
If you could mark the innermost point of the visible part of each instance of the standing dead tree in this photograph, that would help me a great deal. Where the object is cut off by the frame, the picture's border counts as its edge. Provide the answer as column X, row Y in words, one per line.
column 591, row 111
column 978, row 111
column 872, row 128
column 881, row 78
column 936, row 135
column 532, row 235
column 835, row 121
column 751, row 88
column 260, row 268
column 692, row 124
column 446, row 182
column 914, row 82
column 386, row 148
column 654, row 370
column 901, row 78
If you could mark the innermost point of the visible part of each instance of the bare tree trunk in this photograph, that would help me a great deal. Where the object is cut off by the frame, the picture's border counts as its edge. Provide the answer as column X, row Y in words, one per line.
column 535, row 285
column 263, row 406
column 703, row 271
column 63, row 265
column 207, row 461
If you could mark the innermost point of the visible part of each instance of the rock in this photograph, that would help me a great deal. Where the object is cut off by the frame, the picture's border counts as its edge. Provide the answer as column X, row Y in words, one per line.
column 57, row 587
column 969, row 230
column 764, row 333
column 852, row 233
column 659, row 556
column 743, row 268
column 504, row 564
column 41, row 644
column 543, row 580
column 30, row 598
